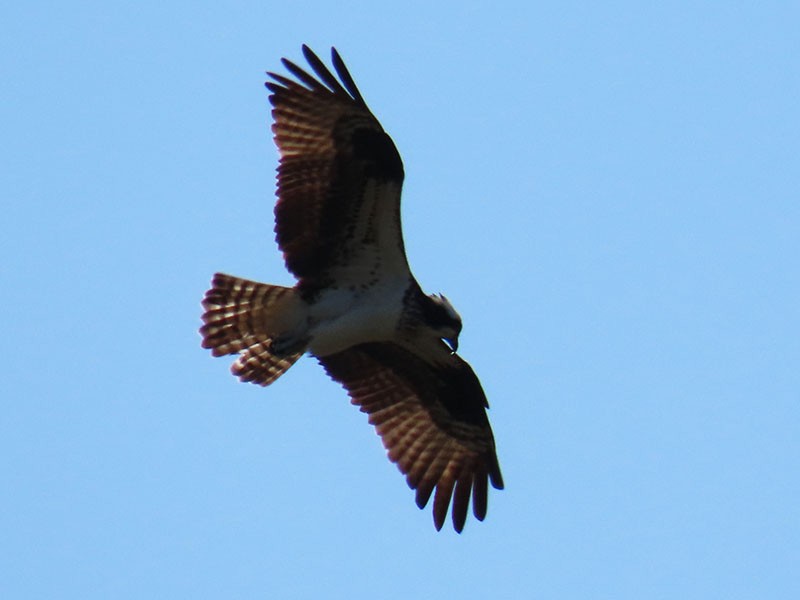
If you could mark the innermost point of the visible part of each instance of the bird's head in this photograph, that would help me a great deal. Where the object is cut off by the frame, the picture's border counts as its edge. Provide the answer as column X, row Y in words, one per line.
column 443, row 318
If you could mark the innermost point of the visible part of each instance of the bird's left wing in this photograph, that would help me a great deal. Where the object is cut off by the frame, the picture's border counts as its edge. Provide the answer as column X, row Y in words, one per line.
column 431, row 417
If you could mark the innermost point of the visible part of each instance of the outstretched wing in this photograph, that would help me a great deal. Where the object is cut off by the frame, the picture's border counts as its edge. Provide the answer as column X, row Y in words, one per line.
column 432, row 420
column 339, row 179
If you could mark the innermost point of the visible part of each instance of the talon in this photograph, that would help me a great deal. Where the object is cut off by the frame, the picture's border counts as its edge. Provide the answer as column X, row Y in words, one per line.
column 286, row 345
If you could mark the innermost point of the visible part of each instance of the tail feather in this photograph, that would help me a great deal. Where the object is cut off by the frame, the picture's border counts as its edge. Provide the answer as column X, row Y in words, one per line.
column 258, row 365
column 242, row 317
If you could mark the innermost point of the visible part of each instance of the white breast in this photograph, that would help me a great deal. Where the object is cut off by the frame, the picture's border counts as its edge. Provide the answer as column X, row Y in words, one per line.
column 342, row 318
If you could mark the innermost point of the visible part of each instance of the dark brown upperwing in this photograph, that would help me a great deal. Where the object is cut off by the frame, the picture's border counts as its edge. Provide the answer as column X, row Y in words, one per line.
column 432, row 420
column 339, row 174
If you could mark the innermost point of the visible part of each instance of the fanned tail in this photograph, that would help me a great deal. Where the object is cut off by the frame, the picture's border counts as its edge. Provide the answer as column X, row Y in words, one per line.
column 243, row 317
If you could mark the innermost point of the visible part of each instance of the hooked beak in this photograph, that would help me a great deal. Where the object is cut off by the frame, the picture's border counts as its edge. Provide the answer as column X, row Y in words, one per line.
column 452, row 342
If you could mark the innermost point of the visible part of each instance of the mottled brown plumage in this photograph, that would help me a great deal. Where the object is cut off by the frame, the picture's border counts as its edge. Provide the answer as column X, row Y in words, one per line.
column 236, row 322
column 431, row 419
column 356, row 305
column 331, row 148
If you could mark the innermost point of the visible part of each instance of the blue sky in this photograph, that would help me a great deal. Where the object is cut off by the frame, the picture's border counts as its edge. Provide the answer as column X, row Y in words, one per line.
column 609, row 194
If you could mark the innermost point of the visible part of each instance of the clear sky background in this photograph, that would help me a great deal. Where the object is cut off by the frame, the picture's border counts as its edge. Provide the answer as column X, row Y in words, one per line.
column 609, row 193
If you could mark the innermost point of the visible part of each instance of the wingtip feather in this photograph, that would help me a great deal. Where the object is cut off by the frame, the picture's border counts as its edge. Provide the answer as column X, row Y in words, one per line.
column 461, row 496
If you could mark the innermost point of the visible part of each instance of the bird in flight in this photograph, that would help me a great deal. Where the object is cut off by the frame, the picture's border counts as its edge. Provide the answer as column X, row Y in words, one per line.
column 356, row 307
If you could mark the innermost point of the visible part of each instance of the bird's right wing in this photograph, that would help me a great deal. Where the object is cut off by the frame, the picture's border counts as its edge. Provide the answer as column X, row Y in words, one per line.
column 339, row 179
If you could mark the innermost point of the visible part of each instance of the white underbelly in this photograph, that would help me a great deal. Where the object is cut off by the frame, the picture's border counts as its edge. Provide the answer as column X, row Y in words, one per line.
column 342, row 319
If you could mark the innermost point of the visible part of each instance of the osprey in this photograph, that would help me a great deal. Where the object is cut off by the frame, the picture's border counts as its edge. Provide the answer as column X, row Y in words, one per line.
column 356, row 306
